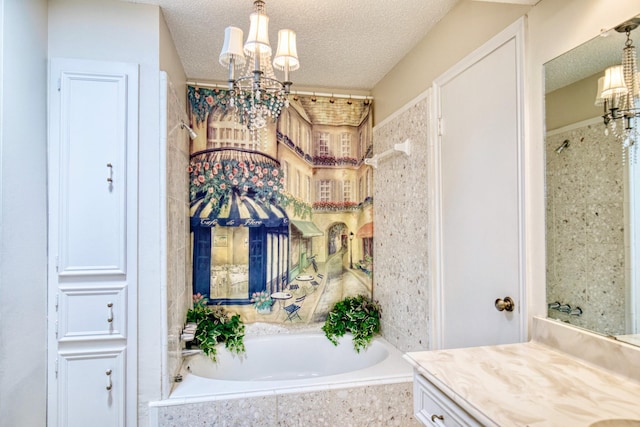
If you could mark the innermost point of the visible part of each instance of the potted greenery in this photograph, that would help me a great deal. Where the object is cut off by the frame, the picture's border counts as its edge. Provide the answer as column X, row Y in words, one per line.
column 215, row 325
column 359, row 315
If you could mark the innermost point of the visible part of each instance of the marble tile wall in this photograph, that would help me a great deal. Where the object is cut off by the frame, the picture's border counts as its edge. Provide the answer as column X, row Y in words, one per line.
column 377, row 405
column 178, row 237
column 585, row 228
column 401, row 218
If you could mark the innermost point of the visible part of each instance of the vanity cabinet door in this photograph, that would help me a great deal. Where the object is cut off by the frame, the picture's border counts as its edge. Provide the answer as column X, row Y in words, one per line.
column 433, row 408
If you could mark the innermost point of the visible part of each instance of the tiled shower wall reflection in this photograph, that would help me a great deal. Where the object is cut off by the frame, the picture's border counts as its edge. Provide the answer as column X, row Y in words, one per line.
column 585, row 227
column 401, row 218
column 178, row 237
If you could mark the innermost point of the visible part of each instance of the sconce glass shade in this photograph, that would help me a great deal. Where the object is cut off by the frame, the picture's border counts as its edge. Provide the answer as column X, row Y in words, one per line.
column 614, row 82
column 599, row 98
column 258, row 37
column 232, row 47
column 287, row 53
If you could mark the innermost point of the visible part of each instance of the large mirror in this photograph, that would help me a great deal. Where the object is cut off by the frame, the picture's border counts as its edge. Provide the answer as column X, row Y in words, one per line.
column 592, row 189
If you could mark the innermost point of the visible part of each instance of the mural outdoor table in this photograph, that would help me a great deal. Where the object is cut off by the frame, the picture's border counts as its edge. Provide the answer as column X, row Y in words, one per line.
column 281, row 297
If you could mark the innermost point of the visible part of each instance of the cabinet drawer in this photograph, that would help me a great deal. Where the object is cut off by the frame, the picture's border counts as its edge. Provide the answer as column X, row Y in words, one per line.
column 434, row 408
column 89, row 314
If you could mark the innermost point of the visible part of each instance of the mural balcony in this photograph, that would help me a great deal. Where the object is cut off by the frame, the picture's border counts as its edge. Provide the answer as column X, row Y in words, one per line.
column 336, row 206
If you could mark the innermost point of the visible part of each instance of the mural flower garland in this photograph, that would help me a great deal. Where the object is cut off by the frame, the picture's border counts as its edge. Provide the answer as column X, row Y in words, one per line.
column 216, row 180
column 202, row 101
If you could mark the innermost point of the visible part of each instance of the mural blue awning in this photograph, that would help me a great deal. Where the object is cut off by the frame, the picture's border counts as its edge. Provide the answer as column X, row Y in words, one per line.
column 238, row 210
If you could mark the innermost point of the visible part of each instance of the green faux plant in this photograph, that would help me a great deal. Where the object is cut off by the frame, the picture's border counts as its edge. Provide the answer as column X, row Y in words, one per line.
column 216, row 325
column 358, row 315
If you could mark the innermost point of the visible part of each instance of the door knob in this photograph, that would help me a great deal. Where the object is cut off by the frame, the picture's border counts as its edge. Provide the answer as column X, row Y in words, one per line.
column 505, row 304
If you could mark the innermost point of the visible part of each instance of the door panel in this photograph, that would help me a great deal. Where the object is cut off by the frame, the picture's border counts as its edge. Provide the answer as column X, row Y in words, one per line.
column 93, row 383
column 93, row 185
column 480, row 207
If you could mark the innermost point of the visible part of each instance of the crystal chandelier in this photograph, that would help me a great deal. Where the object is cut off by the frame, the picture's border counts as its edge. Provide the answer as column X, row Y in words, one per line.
column 619, row 93
column 257, row 95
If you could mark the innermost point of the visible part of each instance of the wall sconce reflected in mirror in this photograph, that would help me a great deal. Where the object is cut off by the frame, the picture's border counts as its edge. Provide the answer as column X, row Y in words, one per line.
column 192, row 134
column 618, row 92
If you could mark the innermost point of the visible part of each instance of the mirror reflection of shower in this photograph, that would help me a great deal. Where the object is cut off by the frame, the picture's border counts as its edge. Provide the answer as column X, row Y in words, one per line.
column 562, row 147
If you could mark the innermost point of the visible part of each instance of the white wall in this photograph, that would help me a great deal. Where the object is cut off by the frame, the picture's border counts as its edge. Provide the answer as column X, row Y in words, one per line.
column 126, row 32
column 23, row 291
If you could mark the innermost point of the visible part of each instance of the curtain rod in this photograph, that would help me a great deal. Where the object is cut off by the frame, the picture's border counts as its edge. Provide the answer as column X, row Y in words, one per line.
column 293, row 92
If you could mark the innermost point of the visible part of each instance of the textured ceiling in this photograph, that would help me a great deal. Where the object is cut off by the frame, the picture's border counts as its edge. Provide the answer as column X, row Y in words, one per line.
column 349, row 45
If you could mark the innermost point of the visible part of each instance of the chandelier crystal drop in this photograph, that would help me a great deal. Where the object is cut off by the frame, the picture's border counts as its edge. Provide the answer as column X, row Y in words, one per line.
column 257, row 96
column 619, row 93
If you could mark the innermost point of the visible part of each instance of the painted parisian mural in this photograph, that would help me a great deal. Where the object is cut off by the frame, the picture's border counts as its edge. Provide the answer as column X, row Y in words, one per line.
column 281, row 218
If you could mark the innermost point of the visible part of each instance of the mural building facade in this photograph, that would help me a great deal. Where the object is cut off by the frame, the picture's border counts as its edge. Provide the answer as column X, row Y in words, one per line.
column 281, row 218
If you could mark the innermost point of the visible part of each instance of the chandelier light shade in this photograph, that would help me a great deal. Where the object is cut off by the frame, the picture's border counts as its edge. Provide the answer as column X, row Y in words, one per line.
column 257, row 95
column 258, row 37
column 232, row 49
column 619, row 91
column 286, row 58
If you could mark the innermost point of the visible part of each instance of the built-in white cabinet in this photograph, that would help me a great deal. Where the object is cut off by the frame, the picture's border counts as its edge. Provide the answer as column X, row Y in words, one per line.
column 92, row 226
column 434, row 408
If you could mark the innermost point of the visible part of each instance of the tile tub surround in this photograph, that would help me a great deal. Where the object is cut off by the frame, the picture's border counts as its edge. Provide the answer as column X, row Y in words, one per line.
column 376, row 405
column 372, row 403
column 401, row 216
column 535, row 384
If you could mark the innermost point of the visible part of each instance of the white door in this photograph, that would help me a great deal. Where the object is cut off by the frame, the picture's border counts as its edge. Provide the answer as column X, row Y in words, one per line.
column 478, row 233
column 92, row 225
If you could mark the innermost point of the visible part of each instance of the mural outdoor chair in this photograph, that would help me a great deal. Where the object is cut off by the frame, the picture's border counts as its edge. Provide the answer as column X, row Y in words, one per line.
column 293, row 309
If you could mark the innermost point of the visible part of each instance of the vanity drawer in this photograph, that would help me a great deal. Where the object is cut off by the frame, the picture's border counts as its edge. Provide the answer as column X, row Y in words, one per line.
column 434, row 408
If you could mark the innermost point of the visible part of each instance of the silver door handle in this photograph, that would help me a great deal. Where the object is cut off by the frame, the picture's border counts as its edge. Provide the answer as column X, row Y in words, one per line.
column 109, row 383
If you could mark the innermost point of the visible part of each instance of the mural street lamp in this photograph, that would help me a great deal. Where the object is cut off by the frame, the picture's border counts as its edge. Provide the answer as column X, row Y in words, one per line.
column 351, row 236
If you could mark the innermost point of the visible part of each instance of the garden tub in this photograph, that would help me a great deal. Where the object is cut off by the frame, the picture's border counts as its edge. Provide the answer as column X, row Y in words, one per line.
column 289, row 363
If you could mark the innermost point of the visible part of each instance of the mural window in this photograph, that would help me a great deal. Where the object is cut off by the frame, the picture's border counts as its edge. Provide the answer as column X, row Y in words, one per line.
column 298, row 187
column 345, row 144
column 308, row 190
column 361, row 189
column 346, row 191
column 324, row 193
column 285, row 171
column 323, row 144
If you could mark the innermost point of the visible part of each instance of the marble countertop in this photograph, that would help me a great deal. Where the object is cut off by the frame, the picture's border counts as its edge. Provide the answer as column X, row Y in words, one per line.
column 528, row 384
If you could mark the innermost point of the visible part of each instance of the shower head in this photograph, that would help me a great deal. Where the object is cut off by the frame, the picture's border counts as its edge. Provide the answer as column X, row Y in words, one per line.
column 192, row 134
column 561, row 148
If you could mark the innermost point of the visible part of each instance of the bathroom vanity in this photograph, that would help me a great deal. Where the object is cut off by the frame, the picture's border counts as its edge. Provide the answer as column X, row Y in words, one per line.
column 562, row 377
